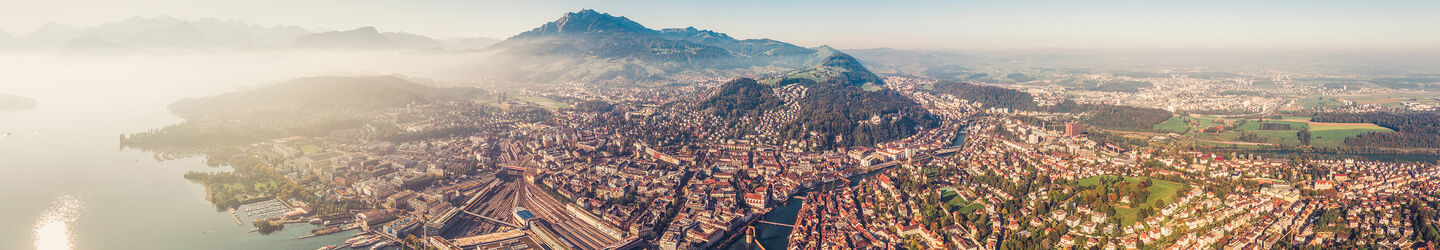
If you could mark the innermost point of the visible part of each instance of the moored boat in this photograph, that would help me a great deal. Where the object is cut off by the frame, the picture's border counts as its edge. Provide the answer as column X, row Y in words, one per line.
column 366, row 242
column 380, row 246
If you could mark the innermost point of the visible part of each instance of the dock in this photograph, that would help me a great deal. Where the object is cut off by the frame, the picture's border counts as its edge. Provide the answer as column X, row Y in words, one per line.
column 237, row 218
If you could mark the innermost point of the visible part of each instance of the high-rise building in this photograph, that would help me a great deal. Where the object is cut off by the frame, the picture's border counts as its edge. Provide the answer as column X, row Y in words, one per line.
column 1073, row 129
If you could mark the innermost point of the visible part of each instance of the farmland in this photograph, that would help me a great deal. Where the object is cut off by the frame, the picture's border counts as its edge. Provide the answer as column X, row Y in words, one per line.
column 1328, row 135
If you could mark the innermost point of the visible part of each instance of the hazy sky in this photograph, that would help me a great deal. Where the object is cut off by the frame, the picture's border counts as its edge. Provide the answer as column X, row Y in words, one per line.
column 955, row 25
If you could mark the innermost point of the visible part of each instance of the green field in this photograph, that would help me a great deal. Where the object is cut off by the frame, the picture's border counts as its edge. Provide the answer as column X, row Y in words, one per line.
column 1393, row 99
column 947, row 192
column 544, row 102
column 1336, row 138
column 1327, row 135
column 1176, row 124
column 1388, row 99
column 1284, row 137
column 1182, row 124
column 952, row 199
column 1161, row 189
column 1317, row 127
column 311, row 149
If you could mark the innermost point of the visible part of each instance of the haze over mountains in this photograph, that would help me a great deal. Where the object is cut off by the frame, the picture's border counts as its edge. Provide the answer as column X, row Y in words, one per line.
column 835, row 67
column 15, row 102
column 166, row 34
column 589, row 46
column 833, row 100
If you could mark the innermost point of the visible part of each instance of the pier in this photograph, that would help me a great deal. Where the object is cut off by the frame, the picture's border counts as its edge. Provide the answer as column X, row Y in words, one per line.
column 237, row 218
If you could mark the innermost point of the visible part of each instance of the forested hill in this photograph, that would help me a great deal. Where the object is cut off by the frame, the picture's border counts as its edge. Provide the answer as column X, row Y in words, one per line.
column 1115, row 116
column 741, row 97
column 835, row 68
column 842, row 105
column 309, row 94
column 1126, row 117
column 315, row 106
column 846, row 116
column 988, row 96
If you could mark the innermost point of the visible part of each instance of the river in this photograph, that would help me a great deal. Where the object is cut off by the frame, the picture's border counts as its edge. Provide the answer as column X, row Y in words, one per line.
column 69, row 185
column 778, row 237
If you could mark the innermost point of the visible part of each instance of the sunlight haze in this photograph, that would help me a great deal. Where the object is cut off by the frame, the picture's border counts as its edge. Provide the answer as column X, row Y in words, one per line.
column 940, row 25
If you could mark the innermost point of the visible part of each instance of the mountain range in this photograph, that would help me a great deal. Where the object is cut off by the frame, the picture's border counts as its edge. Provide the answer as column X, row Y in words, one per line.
column 170, row 34
column 840, row 103
column 593, row 47
column 834, row 67
column 309, row 95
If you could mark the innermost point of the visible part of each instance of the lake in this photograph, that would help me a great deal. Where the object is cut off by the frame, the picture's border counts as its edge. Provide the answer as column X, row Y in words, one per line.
column 69, row 185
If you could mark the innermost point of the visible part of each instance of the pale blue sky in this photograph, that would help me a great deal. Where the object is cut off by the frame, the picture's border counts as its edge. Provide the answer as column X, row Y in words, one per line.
column 948, row 25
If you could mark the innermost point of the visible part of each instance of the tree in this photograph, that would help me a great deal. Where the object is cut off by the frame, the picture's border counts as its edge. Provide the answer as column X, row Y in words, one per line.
column 1304, row 136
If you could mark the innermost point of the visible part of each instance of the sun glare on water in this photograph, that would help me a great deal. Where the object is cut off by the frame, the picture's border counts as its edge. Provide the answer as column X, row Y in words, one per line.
column 52, row 230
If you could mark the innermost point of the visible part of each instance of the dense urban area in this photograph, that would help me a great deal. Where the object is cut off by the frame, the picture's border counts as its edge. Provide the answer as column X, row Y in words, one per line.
column 830, row 156
column 629, row 168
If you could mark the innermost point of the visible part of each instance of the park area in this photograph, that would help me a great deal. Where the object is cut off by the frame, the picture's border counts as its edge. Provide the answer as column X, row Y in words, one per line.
column 955, row 203
column 1161, row 193
column 545, row 102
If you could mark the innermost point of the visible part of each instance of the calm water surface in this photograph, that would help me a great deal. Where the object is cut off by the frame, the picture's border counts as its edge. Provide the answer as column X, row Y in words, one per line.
column 67, row 184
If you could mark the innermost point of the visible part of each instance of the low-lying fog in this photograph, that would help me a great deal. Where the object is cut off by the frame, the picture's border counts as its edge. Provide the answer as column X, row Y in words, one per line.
column 72, row 185
column 98, row 80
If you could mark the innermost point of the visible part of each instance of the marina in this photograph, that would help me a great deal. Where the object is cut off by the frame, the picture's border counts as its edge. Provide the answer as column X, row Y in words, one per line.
column 266, row 209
